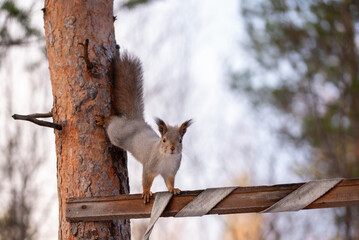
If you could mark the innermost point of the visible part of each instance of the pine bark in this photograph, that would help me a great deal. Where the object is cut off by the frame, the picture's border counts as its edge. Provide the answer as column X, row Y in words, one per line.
column 87, row 165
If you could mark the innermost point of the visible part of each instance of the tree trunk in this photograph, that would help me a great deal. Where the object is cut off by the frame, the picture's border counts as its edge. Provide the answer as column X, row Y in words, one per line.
column 87, row 165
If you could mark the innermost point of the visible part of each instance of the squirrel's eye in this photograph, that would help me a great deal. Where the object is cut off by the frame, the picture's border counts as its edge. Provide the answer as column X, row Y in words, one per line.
column 181, row 140
column 164, row 140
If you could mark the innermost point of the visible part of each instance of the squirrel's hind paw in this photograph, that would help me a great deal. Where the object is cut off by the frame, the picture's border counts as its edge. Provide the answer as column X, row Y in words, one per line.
column 100, row 120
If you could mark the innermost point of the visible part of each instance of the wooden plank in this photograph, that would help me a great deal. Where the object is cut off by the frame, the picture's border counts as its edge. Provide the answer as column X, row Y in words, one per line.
column 241, row 200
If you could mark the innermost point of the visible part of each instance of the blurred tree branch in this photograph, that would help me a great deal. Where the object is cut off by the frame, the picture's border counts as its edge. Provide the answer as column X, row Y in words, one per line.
column 13, row 17
column 131, row 4
column 18, row 190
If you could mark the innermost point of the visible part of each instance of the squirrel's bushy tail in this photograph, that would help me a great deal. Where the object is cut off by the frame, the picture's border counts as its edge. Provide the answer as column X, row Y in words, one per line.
column 128, row 86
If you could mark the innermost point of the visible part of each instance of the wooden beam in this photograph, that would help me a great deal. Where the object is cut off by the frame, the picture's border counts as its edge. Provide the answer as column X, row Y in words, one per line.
column 241, row 200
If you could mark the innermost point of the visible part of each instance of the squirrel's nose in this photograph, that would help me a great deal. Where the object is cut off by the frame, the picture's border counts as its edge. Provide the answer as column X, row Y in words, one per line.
column 172, row 148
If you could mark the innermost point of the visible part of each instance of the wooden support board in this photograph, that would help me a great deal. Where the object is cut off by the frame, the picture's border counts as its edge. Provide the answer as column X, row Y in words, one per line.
column 241, row 200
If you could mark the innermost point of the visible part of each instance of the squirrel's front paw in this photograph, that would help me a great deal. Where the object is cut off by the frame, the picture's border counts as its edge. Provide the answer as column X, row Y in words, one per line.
column 146, row 196
column 175, row 191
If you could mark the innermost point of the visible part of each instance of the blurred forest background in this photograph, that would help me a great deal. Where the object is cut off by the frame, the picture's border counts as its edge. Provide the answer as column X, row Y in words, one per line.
column 273, row 87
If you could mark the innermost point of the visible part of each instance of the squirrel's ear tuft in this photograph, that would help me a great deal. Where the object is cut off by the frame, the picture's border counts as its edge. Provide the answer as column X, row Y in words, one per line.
column 162, row 127
column 183, row 128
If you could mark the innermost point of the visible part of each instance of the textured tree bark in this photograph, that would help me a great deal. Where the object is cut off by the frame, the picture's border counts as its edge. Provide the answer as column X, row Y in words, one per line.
column 87, row 165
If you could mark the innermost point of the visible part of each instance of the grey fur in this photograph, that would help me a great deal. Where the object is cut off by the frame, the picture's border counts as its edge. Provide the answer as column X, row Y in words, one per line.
column 137, row 137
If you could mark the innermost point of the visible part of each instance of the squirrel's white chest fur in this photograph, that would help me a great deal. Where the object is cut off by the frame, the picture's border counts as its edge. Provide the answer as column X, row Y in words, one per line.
column 168, row 164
